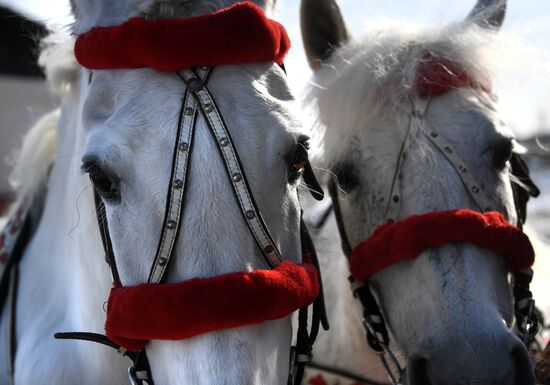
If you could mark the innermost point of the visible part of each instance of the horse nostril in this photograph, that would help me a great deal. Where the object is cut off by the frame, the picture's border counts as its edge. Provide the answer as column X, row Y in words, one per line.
column 417, row 370
column 524, row 372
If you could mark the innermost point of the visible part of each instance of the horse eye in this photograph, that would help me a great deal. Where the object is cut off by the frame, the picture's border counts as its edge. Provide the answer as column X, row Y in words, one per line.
column 299, row 162
column 502, row 154
column 104, row 184
column 347, row 177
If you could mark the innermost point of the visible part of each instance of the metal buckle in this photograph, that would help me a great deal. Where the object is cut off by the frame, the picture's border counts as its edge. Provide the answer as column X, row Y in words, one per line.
column 386, row 351
column 530, row 325
column 132, row 376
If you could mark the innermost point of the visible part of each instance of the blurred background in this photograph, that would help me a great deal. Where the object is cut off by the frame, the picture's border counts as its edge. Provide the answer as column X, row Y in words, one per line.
column 524, row 95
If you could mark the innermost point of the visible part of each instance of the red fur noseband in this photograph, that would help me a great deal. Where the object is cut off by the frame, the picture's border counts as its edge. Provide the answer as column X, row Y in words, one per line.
column 407, row 239
column 187, row 309
column 235, row 35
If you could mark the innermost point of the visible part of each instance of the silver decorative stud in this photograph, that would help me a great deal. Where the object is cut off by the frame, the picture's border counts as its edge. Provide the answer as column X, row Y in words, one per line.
column 462, row 168
column 162, row 261
column 448, row 150
column 178, row 184
column 183, row 146
column 475, row 189
column 269, row 249
column 171, row 225
column 209, row 108
column 237, row 177
column 224, row 142
column 434, row 134
column 250, row 214
column 189, row 111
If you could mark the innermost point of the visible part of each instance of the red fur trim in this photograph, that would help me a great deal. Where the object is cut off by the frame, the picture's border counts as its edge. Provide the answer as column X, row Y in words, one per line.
column 184, row 310
column 235, row 35
column 437, row 76
column 407, row 239
column 319, row 380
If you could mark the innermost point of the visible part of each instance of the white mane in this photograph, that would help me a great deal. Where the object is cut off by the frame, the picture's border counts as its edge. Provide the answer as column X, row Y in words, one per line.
column 378, row 73
column 33, row 161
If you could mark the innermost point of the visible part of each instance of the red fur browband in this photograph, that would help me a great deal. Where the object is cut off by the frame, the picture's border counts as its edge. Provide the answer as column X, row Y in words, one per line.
column 236, row 35
column 407, row 239
column 437, row 76
column 187, row 309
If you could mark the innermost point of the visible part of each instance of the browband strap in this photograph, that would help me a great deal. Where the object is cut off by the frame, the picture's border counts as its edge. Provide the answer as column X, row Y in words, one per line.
column 239, row 34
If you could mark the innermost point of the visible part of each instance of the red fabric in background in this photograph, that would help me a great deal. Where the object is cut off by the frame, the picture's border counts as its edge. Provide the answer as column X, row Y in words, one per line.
column 407, row 239
column 437, row 76
column 236, row 35
column 187, row 309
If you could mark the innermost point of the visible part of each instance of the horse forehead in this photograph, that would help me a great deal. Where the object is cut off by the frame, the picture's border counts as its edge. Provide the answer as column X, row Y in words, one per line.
column 468, row 115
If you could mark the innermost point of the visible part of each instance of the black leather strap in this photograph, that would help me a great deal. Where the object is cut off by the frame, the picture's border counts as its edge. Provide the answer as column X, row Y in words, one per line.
column 105, row 237
column 140, row 369
column 333, row 191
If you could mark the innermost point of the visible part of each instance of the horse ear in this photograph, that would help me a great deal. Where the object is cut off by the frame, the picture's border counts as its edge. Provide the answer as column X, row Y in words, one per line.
column 323, row 30
column 488, row 13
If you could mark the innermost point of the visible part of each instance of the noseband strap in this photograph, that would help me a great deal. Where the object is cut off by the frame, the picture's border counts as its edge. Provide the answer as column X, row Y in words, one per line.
column 407, row 239
column 183, row 310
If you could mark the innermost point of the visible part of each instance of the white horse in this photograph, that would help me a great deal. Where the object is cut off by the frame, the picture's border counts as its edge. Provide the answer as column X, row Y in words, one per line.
column 125, row 121
column 450, row 309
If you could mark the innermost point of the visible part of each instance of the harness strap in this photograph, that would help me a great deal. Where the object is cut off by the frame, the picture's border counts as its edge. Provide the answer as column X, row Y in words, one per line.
column 140, row 371
column 196, row 84
column 105, row 238
column 393, row 205
column 346, row 245
column 176, row 188
column 482, row 200
column 12, row 322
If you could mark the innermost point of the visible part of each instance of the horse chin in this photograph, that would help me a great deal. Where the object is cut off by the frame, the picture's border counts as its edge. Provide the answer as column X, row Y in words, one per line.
column 247, row 355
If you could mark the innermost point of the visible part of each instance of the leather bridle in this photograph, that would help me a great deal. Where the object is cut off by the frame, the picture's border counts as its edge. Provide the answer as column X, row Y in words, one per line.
column 373, row 319
column 198, row 100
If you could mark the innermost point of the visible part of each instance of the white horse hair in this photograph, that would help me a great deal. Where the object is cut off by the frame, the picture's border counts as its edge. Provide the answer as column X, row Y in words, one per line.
column 127, row 120
column 450, row 309
column 378, row 72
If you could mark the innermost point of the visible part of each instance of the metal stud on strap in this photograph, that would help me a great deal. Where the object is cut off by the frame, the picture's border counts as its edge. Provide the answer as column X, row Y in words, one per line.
column 237, row 176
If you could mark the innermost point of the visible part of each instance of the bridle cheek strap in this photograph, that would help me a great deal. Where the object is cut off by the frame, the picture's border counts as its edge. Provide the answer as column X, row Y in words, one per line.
column 235, row 35
column 407, row 239
column 197, row 306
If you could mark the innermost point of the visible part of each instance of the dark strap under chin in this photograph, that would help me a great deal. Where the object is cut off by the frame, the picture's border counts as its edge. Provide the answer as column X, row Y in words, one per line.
column 139, row 372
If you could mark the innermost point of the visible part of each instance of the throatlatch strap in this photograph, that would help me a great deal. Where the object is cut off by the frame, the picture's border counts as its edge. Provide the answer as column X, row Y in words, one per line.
column 251, row 214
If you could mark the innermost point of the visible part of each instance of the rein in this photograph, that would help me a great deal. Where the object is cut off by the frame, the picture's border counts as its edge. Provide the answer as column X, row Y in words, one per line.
column 390, row 242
